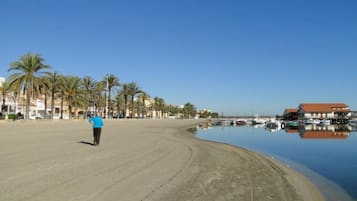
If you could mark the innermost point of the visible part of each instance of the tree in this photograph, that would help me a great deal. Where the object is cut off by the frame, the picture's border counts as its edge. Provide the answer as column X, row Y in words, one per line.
column 133, row 90
column 189, row 110
column 124, row 92
column 111, row 81
column 88, row 85
column 43, row 89
column 143, row 97
column 27, row 75
column 53, row 82
column 98, row 97
column 172, row 109
column 214, row 115
column 119, row 101
column 159, row 104
column 72, row 92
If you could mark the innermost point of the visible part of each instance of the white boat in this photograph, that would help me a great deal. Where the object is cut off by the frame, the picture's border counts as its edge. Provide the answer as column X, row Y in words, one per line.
column 256, row 120
column 325, row 122
column 312, row 121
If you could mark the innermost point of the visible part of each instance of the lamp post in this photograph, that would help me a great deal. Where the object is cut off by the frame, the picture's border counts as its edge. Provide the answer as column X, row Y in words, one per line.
column 15, row 97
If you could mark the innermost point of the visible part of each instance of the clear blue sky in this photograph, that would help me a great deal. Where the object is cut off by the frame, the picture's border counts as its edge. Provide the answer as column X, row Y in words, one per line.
column 230, row 56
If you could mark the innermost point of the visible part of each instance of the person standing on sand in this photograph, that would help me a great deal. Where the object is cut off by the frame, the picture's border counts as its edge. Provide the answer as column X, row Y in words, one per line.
column 97, row 123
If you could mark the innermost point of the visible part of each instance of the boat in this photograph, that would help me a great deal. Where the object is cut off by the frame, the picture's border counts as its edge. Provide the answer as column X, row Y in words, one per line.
column 256, row 120
column 273, row 124
column 312, row 121
column 290, row 124
column 324, row 122
column 241, row 122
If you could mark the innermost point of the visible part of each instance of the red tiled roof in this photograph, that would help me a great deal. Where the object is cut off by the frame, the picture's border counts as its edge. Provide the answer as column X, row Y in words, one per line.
column 292, row 110
column 324, row 107
column 324, row 134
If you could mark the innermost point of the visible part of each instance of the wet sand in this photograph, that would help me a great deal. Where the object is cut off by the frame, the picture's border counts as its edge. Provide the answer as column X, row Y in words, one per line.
column 136, row 160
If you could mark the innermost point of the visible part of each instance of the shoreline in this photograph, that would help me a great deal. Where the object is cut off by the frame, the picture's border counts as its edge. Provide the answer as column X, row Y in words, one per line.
column 303, row 186
column 137, row 160
column 330, row 190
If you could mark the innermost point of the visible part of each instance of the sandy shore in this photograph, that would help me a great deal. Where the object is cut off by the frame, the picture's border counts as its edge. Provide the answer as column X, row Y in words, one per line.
column 136, row 160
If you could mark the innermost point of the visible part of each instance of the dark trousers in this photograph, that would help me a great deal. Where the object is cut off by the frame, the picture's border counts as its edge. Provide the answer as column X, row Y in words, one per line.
column 96, row 135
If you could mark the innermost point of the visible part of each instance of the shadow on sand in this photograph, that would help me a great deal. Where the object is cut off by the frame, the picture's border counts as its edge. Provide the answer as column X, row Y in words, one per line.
column 87, row 143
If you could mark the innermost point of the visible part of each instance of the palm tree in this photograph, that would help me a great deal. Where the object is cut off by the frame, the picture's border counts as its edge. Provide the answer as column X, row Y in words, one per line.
column 133, row 91
column 111, row 81
column 159, row 105
column 61, row 92
column 28, row 71
column 143, row 97
column 119, row 101
column 172, row 109
column 88, row 84
column 98, row 98
column 125, row 93
column 189, row 110
column 53, row 81
column 72, row 93
column 43, row 89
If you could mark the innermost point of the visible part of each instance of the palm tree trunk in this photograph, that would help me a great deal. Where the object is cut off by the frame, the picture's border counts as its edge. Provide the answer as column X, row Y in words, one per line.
column 70, row 111
column 125, row 105
column 3, row 104
column 86, row 110
column 61, row 117
column 45, row 115
column 28, row 102
column 52, row 104
column 132, row 106
column 143, row 109
column 109, row 112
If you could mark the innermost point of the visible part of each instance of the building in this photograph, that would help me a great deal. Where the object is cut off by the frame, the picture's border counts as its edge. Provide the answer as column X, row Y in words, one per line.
column 15, row 104
column 336, row 112
column 290, row 114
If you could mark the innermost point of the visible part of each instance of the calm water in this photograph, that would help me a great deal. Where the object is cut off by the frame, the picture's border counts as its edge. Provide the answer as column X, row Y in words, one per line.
column 328, row 151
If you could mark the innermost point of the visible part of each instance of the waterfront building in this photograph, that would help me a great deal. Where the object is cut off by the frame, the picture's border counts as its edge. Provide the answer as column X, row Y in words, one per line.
column 290, row 114
column 336, row 112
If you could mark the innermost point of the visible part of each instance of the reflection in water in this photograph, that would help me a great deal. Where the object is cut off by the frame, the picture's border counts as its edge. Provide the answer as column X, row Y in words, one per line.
column 324, row 132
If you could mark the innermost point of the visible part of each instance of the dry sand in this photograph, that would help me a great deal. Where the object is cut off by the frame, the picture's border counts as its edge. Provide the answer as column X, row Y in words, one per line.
column 136, row 160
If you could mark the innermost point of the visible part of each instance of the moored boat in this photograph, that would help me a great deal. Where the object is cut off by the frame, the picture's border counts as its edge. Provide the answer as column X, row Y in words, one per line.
column 312, row 121
column 325, row 122
column 273, row 123
column 291, row 124
column 241, row 122
column 256, row 120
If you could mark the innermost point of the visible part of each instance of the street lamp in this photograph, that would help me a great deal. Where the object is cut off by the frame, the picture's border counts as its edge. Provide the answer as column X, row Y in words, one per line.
column 15, row 97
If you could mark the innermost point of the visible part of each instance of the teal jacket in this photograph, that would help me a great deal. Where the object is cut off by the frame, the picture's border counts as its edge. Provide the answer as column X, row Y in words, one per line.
column 96, row 121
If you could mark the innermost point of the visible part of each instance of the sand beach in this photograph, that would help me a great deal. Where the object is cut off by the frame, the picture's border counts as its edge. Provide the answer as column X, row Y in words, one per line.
column 137, row 160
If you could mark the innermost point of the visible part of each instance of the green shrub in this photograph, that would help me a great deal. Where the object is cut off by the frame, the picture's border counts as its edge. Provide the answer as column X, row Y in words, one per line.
column 12, row 116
